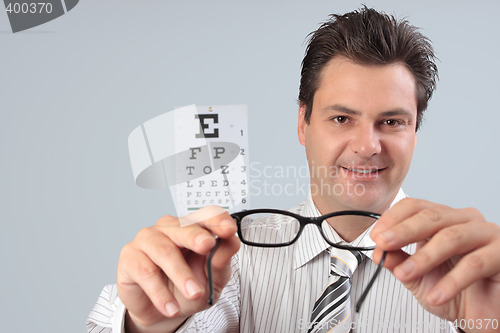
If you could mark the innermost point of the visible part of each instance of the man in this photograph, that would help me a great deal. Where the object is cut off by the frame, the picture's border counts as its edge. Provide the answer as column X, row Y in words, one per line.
column 366, row 80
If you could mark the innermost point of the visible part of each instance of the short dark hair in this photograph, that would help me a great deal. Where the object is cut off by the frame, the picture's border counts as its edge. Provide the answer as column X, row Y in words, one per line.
column 369, row 37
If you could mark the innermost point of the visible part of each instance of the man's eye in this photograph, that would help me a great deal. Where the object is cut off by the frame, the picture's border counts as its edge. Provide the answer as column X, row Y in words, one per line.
column 393, row 122
column 340, row 119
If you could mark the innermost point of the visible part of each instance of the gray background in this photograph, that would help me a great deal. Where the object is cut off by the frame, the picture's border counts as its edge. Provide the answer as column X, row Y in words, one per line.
column 73, row 89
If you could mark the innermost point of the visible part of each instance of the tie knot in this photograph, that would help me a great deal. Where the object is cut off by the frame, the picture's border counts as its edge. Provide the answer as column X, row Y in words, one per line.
column 345, row 262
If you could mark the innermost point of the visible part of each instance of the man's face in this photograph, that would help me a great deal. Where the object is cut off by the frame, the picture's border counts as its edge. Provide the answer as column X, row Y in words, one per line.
column 361, row 135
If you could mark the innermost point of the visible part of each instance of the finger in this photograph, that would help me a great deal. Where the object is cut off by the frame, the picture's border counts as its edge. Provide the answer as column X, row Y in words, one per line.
column 400, row 211
column 200, row 237
column 421, row 226
column 200, row 215
column 392, row 259
column 222, row 225
column 139, row 306
column 471, row 268
column 225, row 252
column 166, row 255
column 445, row 244
column 213, row 218
column 141, row 283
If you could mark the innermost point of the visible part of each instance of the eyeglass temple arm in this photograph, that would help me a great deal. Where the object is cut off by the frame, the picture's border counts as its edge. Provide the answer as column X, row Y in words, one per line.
column 209, row 271
column 368, row 287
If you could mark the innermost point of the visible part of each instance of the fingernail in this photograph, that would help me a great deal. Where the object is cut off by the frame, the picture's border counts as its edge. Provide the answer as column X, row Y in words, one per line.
column 171, row 308
column 387, row 236
column 434, row 296
column 192, row 288
column 227, row 224
column 404, row 269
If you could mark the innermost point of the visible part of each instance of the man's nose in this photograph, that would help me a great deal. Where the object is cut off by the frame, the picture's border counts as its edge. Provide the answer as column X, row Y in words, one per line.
column 366, row 141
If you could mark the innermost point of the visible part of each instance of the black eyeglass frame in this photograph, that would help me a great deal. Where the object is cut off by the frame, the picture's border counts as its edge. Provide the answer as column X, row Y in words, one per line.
column 303, row 220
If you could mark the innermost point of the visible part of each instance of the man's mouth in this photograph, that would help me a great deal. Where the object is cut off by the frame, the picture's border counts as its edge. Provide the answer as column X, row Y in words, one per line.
column 364, row 171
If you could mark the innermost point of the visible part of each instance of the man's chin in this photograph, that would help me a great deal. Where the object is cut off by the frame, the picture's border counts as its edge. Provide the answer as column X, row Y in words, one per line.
column 367, row 202
column 352, row 196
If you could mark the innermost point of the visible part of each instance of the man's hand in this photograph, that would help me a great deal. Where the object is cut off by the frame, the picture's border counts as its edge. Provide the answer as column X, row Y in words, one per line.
column 162, row 277
column 455, row 272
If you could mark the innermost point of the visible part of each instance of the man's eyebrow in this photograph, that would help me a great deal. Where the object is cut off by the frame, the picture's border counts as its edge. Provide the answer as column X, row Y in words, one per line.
column 341, row 108
column 347, row 110
column 397, row 112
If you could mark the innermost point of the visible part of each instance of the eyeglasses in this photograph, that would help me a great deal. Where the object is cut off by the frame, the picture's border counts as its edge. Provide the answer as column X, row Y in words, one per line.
column 268, row 228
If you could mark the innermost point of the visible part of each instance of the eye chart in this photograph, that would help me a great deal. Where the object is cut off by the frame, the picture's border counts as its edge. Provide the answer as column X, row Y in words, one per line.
column 199, row 152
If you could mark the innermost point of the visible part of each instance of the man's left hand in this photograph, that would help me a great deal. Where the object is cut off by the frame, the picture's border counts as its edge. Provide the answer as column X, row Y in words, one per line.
column 455, row 271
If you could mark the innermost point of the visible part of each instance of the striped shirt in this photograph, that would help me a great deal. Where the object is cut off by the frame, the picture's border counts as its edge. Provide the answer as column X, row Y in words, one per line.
column 274, row 290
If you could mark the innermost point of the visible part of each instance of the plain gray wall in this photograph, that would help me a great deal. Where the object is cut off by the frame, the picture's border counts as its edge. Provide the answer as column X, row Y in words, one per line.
column 73, row 89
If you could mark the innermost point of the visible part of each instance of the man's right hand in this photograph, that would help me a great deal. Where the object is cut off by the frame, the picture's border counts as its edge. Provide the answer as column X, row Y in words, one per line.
column 162, row 278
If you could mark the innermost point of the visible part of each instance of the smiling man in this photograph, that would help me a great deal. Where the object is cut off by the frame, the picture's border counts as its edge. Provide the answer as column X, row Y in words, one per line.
column 362, row 129
column 366, row 80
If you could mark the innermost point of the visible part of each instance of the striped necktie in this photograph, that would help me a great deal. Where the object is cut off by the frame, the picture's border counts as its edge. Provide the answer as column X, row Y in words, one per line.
column 331, row 312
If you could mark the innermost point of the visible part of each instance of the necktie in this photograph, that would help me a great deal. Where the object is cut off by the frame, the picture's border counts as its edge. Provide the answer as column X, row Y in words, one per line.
column 331, row 312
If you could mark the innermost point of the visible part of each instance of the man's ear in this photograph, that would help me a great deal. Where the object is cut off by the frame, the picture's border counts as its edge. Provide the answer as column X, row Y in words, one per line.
column 302, row 127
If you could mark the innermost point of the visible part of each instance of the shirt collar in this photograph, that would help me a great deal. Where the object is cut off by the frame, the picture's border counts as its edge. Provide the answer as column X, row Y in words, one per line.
column 311, row 243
